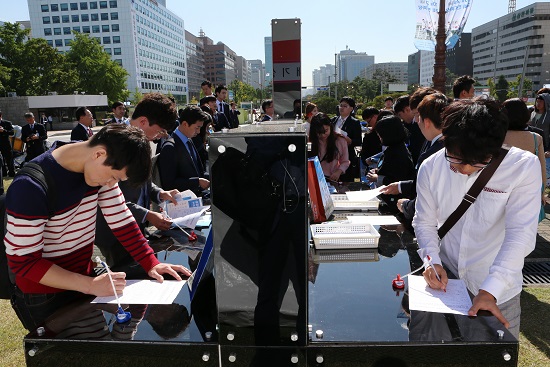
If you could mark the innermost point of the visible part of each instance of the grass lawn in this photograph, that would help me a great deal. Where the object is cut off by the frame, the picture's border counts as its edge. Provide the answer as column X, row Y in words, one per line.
column 534, row 340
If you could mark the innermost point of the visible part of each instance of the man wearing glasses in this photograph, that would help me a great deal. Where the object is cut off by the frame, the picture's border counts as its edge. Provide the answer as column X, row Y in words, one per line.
column 487, row 245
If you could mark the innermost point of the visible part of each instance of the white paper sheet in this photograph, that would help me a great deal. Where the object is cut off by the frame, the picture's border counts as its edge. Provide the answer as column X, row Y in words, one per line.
column 366, row 195
column 422, row 298
column 143, row 292
column 190, row 216
column 375, row 220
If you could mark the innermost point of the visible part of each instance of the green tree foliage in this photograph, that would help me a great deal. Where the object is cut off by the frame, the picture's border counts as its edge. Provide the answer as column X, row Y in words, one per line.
column 326, row 104
column 513, row 87
column 501, row 89
column 32, row 67
column 136, row 96
column 96, row 71
column 242, row 91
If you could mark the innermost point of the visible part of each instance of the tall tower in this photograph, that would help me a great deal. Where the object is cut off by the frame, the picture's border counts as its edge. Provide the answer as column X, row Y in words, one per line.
column 511, row 6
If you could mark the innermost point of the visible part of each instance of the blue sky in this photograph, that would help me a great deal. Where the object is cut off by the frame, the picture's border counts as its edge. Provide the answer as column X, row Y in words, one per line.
column 384, row 29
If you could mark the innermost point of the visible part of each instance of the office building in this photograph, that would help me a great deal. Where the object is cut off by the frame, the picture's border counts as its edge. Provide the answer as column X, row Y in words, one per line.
column 427, row 61
column 257, row 73
column 398, row 70
column 243, row 72
column 220, row 61
column 459, row 59
column 350, row 64
column 323, row 76
column 268, row 45
column 514, row 44
column 195, row 64
column 413, row 66
column 143, row 36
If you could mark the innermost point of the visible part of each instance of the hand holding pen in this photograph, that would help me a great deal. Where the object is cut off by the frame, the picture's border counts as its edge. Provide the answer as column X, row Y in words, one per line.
column 435, row 275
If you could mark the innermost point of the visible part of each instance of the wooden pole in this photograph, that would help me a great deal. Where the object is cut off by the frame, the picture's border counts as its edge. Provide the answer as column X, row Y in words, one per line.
column 440, row 48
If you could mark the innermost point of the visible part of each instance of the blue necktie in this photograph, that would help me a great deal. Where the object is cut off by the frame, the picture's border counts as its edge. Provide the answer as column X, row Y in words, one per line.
column 191, row 148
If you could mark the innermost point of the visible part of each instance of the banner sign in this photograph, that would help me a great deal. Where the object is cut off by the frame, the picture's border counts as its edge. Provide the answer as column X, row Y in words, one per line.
column 456, row 15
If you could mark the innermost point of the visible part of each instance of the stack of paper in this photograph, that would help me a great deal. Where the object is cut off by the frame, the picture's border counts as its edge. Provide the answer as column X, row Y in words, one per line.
column 187, row 211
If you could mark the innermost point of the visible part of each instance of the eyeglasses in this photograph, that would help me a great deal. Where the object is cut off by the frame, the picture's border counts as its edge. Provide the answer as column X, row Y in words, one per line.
column 475, row 164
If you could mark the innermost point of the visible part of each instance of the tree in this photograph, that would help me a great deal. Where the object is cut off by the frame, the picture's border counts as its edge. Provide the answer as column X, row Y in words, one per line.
column 501, row 88
column 326, row 104
column 513, row 87
column 492, row 87
column 136, row 97
column 241, row 91
column 96, row 71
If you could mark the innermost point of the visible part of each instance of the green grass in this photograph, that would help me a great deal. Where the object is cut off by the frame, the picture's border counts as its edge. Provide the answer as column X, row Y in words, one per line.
column 534, row 350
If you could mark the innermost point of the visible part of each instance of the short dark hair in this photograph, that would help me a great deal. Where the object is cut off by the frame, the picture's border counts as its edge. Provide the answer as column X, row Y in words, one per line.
column 370, row 111
column 193, row 114
column 462, row 83
column 206, row 99
column 517, row 112
column 348, row 100
column 419, row 95
column 543, row 90
column 116, row 104
column 383, row 114
column 80, row 111
column 391, row 130
column 206, row 82
column 127, row 147
column 474, row 129
column 388, row 99
column 432, row 107
column 401, row 103
column 28, row 114
column 266, row 103
column 219, row 88
column 158, row 109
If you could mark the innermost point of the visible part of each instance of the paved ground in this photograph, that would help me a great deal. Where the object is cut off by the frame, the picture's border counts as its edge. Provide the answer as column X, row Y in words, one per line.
column 542, row 249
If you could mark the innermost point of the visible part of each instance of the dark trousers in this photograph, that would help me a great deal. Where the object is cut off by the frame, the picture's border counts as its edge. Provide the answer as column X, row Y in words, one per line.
column 7, row 154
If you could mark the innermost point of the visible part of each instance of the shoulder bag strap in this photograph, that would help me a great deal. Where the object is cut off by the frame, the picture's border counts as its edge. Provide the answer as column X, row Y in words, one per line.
column 472, row 194
column 536, row 144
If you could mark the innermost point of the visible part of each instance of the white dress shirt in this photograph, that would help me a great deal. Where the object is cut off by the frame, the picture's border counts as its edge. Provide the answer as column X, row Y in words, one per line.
column 487, row 246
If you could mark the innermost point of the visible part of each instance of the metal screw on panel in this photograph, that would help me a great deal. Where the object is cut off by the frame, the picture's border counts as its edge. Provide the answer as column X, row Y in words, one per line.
column 208, row 335
column 294, row 337
column 33, row 351
column 500, row 334
column 291, row 129
column 232, row 357
column 294, row 358
column 230, row 336
column 40, row 331
column 221, row 149
column 319, row 358
column 206, row 356
column 507, row 357
column 319, row 334
column 310, row 328
column 292, row 148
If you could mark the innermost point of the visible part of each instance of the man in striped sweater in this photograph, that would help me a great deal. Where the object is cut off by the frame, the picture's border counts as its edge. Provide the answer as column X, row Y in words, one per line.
column 51, row 257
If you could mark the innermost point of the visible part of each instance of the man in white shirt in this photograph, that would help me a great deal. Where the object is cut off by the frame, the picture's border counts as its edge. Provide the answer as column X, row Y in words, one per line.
column 487, row 246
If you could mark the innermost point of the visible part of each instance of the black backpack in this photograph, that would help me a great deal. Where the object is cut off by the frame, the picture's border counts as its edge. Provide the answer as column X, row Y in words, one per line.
column 35, row 171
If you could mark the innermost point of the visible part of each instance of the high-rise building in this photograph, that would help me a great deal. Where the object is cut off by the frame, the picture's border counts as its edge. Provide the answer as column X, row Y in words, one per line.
column 398, row 70
column 268, row 45
column 257, row 74
column 516, row 43
column 195, row 64
column 427, row 61
column 413, row 65
column 459, row 59
column 220, row 61
column 143, row 36
column 243, row 72
column 323, row 76
column 350, row 64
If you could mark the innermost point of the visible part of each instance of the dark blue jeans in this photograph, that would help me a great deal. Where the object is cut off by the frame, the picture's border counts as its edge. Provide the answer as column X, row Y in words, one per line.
column 33, row 309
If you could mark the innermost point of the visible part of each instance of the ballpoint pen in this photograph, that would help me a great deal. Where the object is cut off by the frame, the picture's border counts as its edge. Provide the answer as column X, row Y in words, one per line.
column 121, row 315
column 429, row 262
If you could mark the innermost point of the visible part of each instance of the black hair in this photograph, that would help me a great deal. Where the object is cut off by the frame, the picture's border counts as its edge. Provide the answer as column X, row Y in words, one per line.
column 193, row 114
column 401, row 103
column 432, row 107
column 462, row 83
column 368, row 112
column 474, row 129
column 419, row 95
column 219, row 88
column 158, row 109
column 80, row 111
column 206, row 99
column 206, row 82
column 348, row 100
column 388, row 99
column 317, row 127
column 266, row 103
column 116, row 104
column 517, row 112
column 127, row 147
column 391, row 131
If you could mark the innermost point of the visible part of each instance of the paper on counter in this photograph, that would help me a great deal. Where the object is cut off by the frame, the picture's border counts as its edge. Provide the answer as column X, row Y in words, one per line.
column 365, row 195
column 422, row 298
column 188, row 217
column 375, row 220
column 142, row 292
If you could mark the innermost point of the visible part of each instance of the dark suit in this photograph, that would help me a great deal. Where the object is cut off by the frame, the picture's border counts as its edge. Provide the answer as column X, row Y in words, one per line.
column 352, row 127
column 79, row 132
column 138, row 200
column 34, row 147
column 220, row 121
column 176, row 167
column 225, row 110
column 266, row 118
column 234, row 118
column 408, row 188
column 416, row 140
column 371, row 145
column 395, row 165
column 5, row 147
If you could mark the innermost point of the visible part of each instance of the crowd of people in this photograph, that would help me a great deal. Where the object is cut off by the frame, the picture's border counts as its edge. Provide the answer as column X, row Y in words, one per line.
column 425, row 150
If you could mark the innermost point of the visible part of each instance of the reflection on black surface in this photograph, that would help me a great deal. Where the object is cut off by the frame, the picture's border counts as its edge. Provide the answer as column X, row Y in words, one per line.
column 261, row 265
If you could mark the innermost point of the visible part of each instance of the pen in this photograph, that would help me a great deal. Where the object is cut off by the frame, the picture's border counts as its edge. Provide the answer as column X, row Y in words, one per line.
column 429, row 261
column 121, row 315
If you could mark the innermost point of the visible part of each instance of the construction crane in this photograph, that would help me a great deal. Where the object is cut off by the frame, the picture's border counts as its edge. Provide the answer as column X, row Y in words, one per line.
column 511, row 6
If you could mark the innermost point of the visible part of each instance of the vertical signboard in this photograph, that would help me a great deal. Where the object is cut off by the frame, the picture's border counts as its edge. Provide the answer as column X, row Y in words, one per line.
column 456, row 15
column 287, row 77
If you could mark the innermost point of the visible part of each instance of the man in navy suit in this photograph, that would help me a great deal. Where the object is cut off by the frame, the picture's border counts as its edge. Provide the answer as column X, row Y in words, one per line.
column 83, row 130
column 269, row 110
column 34, row 135
column 430, row 123
column 221, row 106
column 179, row 164
column 6, row 130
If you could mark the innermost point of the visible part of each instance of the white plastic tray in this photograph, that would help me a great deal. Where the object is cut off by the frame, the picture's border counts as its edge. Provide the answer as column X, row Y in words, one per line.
column 341, row 202
column 344, row 235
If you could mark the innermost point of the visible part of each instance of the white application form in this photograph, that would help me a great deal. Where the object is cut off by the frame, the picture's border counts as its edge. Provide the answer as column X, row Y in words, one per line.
column 423, row 298
column 142, row 292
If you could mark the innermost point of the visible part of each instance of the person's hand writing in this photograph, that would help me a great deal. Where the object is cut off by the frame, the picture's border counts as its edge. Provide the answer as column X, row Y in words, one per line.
column 158, row 220
column 204, row 183
column 169, row 195
column 335, row 175
column 391, row 189
column 485, row 301
column 101, row 285
column 431, row 279
column 157, row 271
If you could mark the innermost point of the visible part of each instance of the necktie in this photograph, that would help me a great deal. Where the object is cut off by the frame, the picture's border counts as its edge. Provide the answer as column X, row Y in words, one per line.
column 220, row 108
column 90, row 132
column 191, row 148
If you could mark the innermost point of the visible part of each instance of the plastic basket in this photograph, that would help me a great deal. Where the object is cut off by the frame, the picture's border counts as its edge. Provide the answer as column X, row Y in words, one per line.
column 344, row 236
column 341, row 202
column 339, row 255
